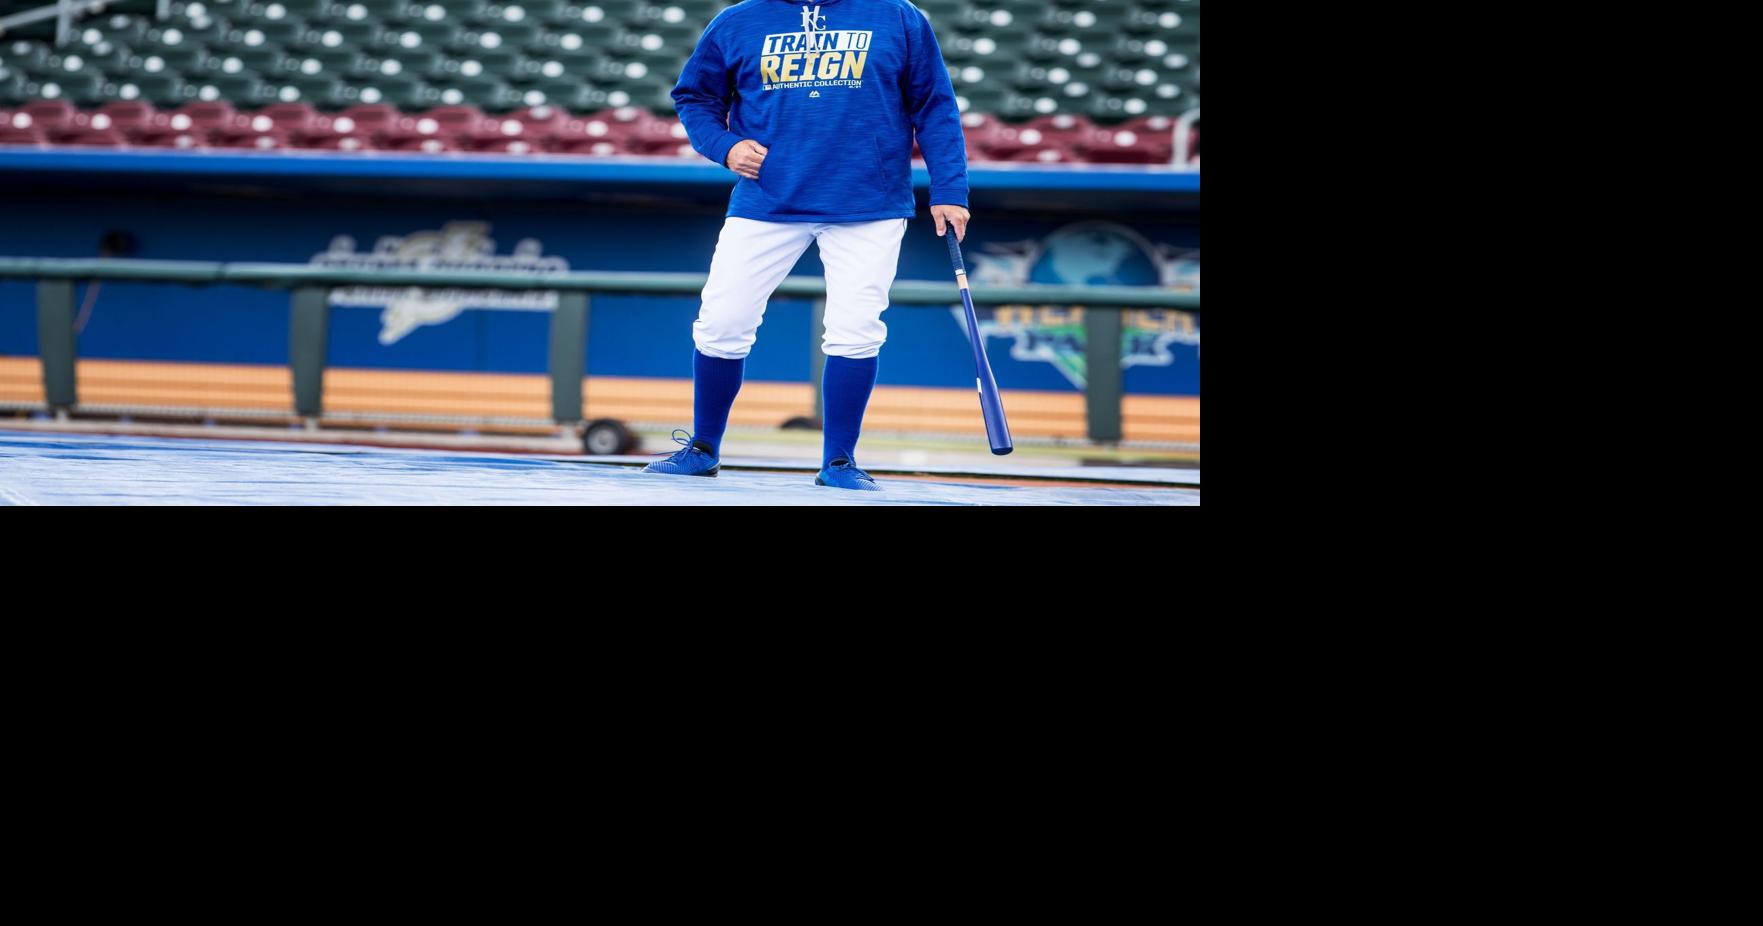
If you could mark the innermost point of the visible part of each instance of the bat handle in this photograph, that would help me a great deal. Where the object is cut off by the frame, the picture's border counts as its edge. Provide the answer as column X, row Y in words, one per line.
column 955, row 251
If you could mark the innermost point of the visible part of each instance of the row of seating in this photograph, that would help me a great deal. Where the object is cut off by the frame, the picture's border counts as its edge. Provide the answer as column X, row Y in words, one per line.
column 1060, row 80
column 545, row 129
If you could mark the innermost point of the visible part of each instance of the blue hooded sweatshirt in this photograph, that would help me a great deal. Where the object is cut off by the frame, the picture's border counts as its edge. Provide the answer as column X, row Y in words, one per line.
column 836, row 89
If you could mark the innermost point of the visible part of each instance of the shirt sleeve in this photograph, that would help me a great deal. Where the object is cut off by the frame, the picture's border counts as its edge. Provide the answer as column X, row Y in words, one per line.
column 930, row 101
column 702, row 98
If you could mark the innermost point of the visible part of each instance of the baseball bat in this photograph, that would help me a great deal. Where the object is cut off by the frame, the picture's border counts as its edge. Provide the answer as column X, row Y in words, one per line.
column 990, row 406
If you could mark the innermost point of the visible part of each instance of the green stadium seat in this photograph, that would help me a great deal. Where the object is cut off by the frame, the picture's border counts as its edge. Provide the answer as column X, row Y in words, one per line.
column 25, row 56
column 320, row 90
column 403, row 92
column 487, row 93
column 241, row 89
column 423, row 63
column 544, row 11
column 11, row 87
column 162, row 90
column 181, row 59
column 435, row 35
column 268, row 62
column 83, row 88
column 382, row 10
column 266, row 32
column 306, row 9
column 573, row 95
column 361, row 34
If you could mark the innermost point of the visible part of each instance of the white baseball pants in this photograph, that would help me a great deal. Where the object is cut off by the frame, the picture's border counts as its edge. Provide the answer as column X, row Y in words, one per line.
column 752, row 258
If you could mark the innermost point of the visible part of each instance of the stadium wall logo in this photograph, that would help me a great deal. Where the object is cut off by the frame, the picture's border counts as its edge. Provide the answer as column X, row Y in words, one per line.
column 456, row 246
column 815, row 57
column 1088, row 253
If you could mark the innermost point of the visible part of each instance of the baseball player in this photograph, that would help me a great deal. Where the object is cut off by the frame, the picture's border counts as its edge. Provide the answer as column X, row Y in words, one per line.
column 816, row 108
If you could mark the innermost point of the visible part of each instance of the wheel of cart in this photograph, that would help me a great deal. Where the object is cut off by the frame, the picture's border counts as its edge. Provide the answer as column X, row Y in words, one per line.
column 608, row 437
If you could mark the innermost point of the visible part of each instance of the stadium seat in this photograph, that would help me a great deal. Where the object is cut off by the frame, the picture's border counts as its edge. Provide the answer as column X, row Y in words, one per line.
column 90, row 136
column 131, row 117
column 17, row 129
column 50, row 115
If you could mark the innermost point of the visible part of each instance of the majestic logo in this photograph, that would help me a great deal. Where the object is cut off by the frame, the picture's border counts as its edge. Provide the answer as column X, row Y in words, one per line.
column 1088, row 253
column 456, row 246
column 814, row 57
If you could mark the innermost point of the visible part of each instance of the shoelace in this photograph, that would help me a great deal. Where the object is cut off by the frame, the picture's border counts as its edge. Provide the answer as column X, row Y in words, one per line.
column 686, row 443
column 851, row 464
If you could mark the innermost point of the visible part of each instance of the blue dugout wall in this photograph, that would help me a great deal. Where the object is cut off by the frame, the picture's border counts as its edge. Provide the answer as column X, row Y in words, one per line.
column 1128, row 226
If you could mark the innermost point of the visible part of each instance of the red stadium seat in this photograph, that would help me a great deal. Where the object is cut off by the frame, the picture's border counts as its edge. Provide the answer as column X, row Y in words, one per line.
column 294, row 118
column 538, row 123
column 16, row 131
column 609, row 131
column 377, row 118
column 131, row 116
column 90, row 136
column 657, row 136
column 460, row 122
column 424, row 144
column 1064, row 129
column 599, row 147
column 1122, row 145
column 503, row 146
column 1001, row 143
column 50, row 115
column 266, row 139
column 493, row 132
column 980, row 129
column 400, row 133
column 209, row 116
column 167, row 137
column 334, row 141
column 1045, row 153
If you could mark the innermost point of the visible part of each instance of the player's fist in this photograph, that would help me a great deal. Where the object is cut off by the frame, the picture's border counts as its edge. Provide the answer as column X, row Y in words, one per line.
column 746, row 157
column 951, row 217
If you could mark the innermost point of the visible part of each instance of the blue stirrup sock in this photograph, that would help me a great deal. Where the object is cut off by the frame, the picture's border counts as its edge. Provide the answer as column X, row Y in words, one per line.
column 715, row 383
column 847, row 384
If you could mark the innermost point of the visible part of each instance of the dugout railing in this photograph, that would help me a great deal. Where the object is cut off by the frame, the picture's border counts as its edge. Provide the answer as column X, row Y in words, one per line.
column 310, row 288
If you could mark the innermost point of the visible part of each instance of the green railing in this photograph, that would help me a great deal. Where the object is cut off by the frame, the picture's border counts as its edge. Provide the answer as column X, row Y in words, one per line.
column 310, row 324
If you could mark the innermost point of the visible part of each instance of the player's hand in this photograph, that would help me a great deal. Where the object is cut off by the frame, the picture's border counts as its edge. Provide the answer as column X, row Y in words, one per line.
column 746, row 157
column 948, row 216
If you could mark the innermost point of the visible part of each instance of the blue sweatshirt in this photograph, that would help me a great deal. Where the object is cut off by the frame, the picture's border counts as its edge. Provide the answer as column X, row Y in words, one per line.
column 836, row 90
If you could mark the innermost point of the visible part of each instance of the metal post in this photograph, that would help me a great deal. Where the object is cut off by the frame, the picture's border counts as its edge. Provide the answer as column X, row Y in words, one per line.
column 817, row 356
column 164, row 9
column 63, row 22
column 308, row 343
column 57, row 344
column 569, row 356
column 1102, row 341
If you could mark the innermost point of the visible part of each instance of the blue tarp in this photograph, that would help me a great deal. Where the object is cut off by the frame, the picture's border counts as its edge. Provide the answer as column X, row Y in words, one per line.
column 55, row 469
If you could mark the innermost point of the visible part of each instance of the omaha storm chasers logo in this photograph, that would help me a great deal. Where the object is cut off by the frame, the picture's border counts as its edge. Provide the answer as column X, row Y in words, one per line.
column 815, row 57
column 456, row 246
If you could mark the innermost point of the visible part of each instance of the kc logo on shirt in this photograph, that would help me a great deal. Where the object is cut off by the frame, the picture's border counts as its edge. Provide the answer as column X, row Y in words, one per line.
column 815, row 57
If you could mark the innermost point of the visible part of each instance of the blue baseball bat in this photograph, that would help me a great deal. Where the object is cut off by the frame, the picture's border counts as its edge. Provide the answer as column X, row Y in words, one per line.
column 997, row 428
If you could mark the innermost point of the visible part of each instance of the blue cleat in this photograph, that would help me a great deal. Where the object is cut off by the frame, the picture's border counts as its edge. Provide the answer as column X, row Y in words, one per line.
column 695, row 459
column 844, row 474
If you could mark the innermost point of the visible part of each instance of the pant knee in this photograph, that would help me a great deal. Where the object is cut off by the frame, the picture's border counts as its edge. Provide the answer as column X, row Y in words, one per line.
column 857, row 335
column 724, row 338
column 851, row 348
